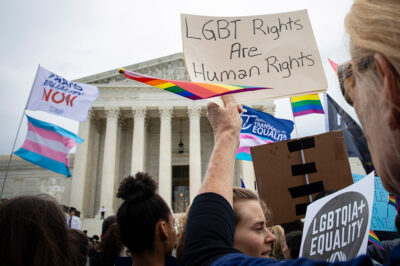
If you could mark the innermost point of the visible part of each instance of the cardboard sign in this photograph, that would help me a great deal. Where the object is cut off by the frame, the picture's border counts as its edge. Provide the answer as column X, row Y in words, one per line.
column 280, row 172
column 383, row 214
column 336, row 226
column 277, row 51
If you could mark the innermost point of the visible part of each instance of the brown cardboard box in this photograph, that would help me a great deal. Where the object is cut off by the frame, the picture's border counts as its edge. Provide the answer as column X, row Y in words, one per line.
column 279, row 171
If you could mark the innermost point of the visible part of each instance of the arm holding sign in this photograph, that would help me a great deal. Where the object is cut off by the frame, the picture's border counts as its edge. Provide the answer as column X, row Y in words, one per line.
column 226, row 123
column 210, row 225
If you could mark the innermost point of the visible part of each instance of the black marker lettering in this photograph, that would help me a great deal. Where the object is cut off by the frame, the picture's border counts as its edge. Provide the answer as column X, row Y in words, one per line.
column 258, row 27
column 219, row 27
column 212, row 36
column 187, row 32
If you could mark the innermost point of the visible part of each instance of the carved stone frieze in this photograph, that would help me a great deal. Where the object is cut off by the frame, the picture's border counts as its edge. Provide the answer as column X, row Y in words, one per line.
column 167, row 70
column 114, row 93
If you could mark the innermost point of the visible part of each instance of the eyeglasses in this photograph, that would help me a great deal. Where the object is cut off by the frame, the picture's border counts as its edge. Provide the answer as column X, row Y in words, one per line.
column 346, row 78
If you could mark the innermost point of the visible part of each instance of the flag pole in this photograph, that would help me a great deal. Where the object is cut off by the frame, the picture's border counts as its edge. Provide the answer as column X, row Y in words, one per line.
column 301, row 151
column 16, row 137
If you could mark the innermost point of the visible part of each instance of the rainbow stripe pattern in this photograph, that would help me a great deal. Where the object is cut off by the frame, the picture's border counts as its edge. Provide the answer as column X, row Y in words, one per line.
column 190, row 90
column 48, row 146
column 306, row 104
column 392, row 201
column 373, row 239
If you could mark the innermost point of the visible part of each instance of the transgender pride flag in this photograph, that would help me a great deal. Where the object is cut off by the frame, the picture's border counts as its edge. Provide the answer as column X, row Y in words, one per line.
column 48, row 146
column 260, row 128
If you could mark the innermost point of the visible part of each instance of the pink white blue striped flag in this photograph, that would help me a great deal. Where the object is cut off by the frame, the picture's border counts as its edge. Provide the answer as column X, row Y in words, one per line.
column 48, row 146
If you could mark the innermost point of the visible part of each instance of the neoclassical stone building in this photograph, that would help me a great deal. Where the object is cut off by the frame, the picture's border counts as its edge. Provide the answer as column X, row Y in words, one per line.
column 133, row 127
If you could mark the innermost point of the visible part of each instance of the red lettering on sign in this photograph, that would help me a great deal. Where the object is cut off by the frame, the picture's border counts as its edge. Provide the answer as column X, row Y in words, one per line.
column 58, row 97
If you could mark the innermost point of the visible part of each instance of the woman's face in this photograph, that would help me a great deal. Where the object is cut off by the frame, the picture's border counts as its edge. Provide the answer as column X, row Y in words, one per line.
column 251, row 234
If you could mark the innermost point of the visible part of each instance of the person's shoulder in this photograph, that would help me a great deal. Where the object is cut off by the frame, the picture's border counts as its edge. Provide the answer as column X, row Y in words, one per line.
column 171, row 261
column 394, row 257
column 242, row 259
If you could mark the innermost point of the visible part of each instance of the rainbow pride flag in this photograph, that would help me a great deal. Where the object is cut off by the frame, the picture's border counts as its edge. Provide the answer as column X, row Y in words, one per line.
column 392, row 201
column 373, row 239
column 306, row 104
column 190, row 90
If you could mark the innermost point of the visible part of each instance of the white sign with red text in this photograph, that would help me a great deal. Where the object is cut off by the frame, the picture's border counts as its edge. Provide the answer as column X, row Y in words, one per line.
column 54, row 94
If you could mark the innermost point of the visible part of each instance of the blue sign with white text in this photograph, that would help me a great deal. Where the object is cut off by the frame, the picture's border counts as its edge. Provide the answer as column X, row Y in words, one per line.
column 383, row 214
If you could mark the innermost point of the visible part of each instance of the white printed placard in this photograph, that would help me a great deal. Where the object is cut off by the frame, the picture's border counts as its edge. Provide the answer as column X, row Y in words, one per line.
column 276, row 51
column 336, row 227
column 54, row 94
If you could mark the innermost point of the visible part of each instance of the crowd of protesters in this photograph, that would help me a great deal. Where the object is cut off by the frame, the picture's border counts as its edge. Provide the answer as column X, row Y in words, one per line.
column 224, row 225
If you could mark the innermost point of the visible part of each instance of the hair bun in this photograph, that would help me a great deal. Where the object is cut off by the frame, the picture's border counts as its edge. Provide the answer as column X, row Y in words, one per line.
column 139, row 187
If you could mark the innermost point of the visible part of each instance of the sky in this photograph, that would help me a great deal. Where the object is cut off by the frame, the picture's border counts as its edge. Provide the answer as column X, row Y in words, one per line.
column 75, row 39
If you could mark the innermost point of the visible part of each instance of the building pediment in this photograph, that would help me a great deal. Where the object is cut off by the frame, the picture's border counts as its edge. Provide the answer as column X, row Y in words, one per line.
column 167, row 67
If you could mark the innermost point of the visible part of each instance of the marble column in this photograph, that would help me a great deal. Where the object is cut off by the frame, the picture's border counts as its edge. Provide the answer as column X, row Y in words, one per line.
column 165, row 169
column 247, row 174
column 109, row 160
column 194, row 151
column 138, row 142
column 98, row 126
column 80, row 166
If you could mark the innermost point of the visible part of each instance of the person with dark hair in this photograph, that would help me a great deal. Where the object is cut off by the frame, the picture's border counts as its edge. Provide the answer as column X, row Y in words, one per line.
column 81, row 242
column 73, row 221
column 107, row 223
column 94, row 239
column 33, row 232
column 146, row 224
column 108, row 251
column 293, row 243
column 102, row 212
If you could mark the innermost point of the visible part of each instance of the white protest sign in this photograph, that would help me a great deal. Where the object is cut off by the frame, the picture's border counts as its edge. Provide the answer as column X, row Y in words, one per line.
column 277, row 51
column 336, row 227
column 56, row 95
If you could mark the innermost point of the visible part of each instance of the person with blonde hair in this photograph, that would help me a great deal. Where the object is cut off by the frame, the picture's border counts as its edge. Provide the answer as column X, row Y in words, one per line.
column 251, row 235
column 280, row 243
